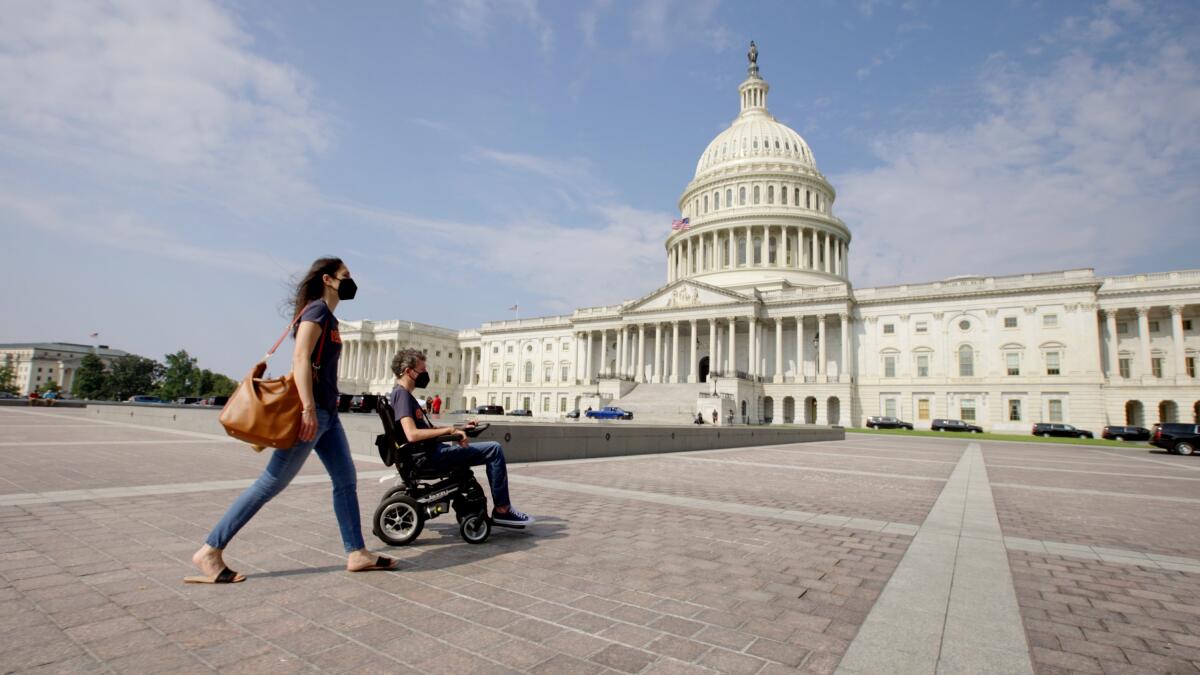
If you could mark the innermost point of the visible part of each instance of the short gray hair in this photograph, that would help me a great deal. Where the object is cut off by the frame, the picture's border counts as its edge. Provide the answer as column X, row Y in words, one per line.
column 405, row 359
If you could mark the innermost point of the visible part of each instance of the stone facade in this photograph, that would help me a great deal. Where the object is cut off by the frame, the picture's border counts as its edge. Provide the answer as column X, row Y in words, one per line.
column 759, row 310
column 36, row 363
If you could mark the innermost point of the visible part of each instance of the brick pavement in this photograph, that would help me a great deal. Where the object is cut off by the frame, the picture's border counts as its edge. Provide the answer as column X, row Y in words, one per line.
column 602, row 584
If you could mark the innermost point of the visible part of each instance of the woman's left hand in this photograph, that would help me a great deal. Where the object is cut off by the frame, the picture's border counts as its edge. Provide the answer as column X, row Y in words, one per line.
column 308, row 424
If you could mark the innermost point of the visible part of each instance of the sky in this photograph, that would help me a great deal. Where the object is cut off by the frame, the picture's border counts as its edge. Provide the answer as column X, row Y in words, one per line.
column 168, row 169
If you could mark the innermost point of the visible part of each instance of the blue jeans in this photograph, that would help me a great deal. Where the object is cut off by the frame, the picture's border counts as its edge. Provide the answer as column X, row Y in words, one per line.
column 449, row 455
column 334, row 452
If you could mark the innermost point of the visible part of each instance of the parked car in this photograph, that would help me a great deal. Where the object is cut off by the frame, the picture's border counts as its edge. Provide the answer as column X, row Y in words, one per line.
column 887, row 423
column 1060, row 430
column 489, row 410
column 8, row 395
column 517, row 412
column 364, row 403
column 215, row 401
column 573, row 415
column 143, row 398
column 459, row 412
column 954, row 425
column 1125, row 433
column 610, row 412
column 1181, row 439
column 188, row 400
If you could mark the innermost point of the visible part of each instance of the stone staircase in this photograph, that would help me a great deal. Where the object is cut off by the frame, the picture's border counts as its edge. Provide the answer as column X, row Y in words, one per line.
column 662, row 403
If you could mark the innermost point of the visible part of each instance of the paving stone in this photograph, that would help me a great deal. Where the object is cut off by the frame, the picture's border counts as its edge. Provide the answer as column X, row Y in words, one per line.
column 622, row 658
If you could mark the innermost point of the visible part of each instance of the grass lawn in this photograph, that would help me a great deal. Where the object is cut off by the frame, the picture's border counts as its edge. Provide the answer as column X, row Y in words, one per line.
column 1026, row 438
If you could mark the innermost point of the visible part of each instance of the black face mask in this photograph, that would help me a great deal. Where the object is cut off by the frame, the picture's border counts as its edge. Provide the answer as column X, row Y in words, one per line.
column 422, row 380
column 347, row 289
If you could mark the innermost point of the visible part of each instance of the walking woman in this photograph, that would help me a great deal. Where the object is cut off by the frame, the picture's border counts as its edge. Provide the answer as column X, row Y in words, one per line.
column 315, row 367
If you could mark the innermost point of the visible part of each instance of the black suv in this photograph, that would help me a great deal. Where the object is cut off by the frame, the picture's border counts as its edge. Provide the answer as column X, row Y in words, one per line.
column 1115, row 432
column 1181, row 439
column 954, row 425
column 363, row 403
column 488, row 410
column 519, row 413
column 887, row 423
column 1063, row 430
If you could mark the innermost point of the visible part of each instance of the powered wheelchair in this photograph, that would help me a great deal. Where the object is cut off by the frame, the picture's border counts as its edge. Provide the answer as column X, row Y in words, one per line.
column 421, row 494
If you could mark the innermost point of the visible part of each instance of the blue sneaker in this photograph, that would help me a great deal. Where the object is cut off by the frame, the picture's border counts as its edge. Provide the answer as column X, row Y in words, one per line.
column 511, row 518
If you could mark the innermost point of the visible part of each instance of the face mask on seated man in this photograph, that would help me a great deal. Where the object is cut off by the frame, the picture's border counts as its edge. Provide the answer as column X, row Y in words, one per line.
column 409, row 367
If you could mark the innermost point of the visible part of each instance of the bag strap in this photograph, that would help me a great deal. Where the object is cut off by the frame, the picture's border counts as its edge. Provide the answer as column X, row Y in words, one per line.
column 290, row 326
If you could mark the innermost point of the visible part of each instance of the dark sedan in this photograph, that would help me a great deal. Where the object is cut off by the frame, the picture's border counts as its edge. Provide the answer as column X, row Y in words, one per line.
column 1060, row 430
column 519, row 413
column 888, row 423
column 1181, row 439
column 955, row 425
column 1125, row 433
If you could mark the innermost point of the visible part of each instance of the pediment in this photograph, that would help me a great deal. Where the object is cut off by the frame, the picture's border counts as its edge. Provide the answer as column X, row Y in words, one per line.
column 686, row 293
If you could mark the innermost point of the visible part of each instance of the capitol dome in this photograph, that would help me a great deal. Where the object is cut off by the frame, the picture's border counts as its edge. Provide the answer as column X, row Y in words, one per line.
column 759, row 213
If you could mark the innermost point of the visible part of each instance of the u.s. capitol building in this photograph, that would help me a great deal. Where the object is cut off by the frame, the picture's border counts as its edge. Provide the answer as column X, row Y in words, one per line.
column 758, row 321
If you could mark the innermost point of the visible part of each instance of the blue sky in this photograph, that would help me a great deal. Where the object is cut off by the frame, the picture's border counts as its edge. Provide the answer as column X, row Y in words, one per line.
column 166, row 167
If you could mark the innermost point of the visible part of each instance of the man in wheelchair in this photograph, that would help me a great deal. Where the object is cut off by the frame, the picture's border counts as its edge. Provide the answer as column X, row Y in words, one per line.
column 409, row 368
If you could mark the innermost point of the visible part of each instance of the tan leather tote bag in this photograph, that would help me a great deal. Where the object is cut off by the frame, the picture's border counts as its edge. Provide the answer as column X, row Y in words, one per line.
column 266, row 413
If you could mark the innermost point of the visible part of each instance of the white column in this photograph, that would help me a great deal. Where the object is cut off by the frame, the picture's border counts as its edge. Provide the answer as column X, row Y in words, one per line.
column 752, row 335
column 1110, row 324
column 733, row 346
column 587, row 359
column 828, row 267
column 844, row 366
column 812, row 240
column 462, row 369
column 656, row 374
column 712, row 253
column 1177, row 341
column 1144, row 340
column 620, row 352
column 799, row 351
column 640, row 375
column 846, row 259
column 823, row 337
column 603, row 370
column 763, row 248
column 674, row 370
column 694, row 369
column 716, row 350
column 730, row 249
column 779, row 356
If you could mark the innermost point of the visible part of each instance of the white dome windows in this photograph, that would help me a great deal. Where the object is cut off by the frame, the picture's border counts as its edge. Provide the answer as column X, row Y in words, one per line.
column 728, row 197
column 741, row 196
column 757, row 197
column 770, row 194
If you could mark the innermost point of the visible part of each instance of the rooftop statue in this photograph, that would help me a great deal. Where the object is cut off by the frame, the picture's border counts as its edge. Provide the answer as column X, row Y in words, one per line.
column 753, row 54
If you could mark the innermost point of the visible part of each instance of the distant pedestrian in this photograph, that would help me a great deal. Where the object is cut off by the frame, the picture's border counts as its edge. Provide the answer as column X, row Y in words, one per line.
column 327, row 282
column 437, row 404
column 716, row 417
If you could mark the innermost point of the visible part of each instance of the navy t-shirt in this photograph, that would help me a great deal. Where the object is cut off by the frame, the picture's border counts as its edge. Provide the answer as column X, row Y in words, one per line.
column 404, row 405
column 325, row 388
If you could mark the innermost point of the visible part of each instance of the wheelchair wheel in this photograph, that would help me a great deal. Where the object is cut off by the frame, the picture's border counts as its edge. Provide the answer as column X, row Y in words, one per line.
column 398, row 520
column 475, row 529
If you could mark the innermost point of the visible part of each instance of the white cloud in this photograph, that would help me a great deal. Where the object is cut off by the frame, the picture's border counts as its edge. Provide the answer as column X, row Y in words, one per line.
column 170, row 91
column 1089, row 161
column 479, row 18
column 663, row 24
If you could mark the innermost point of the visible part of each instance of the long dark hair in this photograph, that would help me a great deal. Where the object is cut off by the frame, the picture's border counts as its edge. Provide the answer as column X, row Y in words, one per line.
column 311, row 286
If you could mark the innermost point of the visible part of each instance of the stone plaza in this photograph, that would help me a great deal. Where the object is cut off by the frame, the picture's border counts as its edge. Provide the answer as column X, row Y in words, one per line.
column 877, row 553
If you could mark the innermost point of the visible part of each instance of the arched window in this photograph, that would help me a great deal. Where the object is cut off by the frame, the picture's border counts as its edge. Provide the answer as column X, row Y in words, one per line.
column 796, row 194
column 783, row 195
column 807, row 199
column 741, row 196
column 757, row 198
column 966, row 361
column 706, row 203
column 729, row 197
column 741, row 250
column 529, row 371
column 717, row 200
column 771, row 254
column 770, row 194
column 758, row 250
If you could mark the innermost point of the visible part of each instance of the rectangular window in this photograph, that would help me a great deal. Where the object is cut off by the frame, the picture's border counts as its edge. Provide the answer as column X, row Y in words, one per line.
column 889, row 407
column 495, row 375
column 545, row 404
column 1014, row 410
column 922, row 365
column 1056, row 413
column 1153, row 326
column 1122, row 327
column 1013, row 360
column 1010, row 322
column 921, row 327
column 1156, row 367
column 889, row 328
column 565, row 372
column 923, row 409
column 1123, row 367
column 967, row 409
column 1050, row 321
column 1187, row 324
column 562, row 404
column 549, row 373
column 889, row 366
column 1190, row 365
column 510, row 348
column 1052, row 364
column 508, row 374
column 508, row 403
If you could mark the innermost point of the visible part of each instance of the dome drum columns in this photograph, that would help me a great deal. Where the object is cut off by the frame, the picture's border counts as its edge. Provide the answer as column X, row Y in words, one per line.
column 748, row 247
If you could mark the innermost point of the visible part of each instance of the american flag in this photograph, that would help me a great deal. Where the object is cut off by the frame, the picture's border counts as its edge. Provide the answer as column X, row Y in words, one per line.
column 94, row 335
column 513, row 308
column 681, row 223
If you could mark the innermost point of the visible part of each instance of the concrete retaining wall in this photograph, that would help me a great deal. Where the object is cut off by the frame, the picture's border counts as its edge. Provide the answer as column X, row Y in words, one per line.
column 523, row 441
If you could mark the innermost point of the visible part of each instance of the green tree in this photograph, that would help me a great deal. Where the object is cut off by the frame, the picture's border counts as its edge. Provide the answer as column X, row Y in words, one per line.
column 132, row 375
column 49, row 386
column 180, row 377
column 91, row 380
column 223, row 386
column 8, row 379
